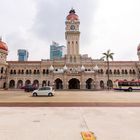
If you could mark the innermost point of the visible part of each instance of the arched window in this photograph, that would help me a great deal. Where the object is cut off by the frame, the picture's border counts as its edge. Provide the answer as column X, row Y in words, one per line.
column 106, row 71
column 14, row 71
column 102, row 72
column 110, row 71
column 130, row 71
column 38, row 72
column 122, row 71
column 34, row 71
column 30, row 71
column 126, row 72
column 11, row 71
column 47, row 71
column 118, row 71
column 44, row 71
column 18, row 71
column 22, row 72
column 27, row 72
column 134, row 71
column 114, row 71
column 2, row 70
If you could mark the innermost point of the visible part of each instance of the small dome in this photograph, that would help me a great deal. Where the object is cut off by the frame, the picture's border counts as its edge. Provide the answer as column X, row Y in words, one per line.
column 138, row 49
column 3, row 45
column 72, row 15
column 51, row 68
column 82, row 68
column 96, row 68
column 65, row 68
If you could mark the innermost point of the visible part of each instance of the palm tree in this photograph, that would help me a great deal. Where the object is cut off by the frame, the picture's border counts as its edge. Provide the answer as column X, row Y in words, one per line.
column 108, row 55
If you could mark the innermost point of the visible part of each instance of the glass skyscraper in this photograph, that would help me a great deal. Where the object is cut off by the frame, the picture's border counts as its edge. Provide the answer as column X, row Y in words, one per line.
column 23, row 55
column 57, row 51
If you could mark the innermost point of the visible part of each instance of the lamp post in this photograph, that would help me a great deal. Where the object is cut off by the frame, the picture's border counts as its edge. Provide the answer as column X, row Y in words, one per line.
column 96, row 68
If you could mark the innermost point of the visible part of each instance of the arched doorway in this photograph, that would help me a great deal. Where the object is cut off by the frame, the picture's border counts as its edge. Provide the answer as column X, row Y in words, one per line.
column 74, row 83
column 44, row 83
column 102, row 84
column 58, row 84
column 89, row 83
column 19, row 83
column 36, row 83
column 12, row 84
column 4, row 85
column 27, row 82
column 109, row 84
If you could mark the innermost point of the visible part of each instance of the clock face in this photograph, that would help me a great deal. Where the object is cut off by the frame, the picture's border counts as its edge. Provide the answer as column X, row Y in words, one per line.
column 72, row 27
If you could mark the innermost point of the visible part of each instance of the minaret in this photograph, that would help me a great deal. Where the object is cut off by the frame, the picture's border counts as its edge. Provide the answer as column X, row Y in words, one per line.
column 72, row 35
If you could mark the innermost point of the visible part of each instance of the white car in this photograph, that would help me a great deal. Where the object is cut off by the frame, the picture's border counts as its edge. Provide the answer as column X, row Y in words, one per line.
column 47, row 90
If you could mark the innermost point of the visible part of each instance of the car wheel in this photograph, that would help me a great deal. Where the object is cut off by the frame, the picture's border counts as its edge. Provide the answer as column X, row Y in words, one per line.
column 130, row 89
column 50, row 94
column 34, row 94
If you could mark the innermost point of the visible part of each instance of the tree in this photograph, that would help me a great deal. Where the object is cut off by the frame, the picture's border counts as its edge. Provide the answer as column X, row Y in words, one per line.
column 108, row 55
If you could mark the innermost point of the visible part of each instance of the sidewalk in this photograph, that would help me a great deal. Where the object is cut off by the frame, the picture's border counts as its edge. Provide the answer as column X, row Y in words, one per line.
column 66, row 123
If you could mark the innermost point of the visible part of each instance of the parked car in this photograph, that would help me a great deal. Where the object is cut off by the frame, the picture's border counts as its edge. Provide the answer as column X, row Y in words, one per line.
column 22, row 87
column 47, row 90
column 29, row 88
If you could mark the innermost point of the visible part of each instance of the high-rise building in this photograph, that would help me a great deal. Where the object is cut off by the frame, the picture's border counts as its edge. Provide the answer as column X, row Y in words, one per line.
column 57, row 51
column 23, row 55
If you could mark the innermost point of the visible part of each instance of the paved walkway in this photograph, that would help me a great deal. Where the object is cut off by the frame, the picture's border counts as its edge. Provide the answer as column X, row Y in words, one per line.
column 66, row 123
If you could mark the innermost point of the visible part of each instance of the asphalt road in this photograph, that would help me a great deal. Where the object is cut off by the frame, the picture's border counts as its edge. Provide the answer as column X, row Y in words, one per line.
column 19, row 98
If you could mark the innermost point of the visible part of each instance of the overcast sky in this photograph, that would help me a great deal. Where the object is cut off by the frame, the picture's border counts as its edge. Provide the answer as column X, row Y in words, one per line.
column 104, row 24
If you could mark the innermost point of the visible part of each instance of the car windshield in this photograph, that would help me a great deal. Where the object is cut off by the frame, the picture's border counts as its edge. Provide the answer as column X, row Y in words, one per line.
column 44, row 88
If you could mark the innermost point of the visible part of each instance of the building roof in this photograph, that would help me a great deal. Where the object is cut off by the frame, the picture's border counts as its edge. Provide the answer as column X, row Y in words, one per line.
column 3, row 45
column 72, row 15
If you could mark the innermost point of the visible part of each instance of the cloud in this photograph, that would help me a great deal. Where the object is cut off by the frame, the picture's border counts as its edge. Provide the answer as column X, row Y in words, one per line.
column 49, row 23
column 34, row 24
column 36, row 27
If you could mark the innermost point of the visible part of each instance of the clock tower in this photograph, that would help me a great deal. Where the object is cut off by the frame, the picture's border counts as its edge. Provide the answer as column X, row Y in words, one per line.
column 72, row 35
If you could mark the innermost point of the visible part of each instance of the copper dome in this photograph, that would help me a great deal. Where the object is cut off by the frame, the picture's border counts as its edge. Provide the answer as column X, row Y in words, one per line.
column 72, row 15
column 3, row 45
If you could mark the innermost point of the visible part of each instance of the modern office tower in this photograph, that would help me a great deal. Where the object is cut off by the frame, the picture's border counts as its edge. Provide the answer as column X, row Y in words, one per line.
column 23, row 55
column 57, row 51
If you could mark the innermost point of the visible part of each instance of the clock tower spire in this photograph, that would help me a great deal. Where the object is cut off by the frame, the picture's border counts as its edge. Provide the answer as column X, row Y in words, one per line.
column 72, row 35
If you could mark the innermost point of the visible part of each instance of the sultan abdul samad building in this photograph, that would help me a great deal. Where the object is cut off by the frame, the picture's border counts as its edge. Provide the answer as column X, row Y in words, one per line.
column 71, row 72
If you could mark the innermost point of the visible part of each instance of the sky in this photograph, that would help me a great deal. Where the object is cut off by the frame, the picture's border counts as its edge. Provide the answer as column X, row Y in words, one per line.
column 104, row 24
